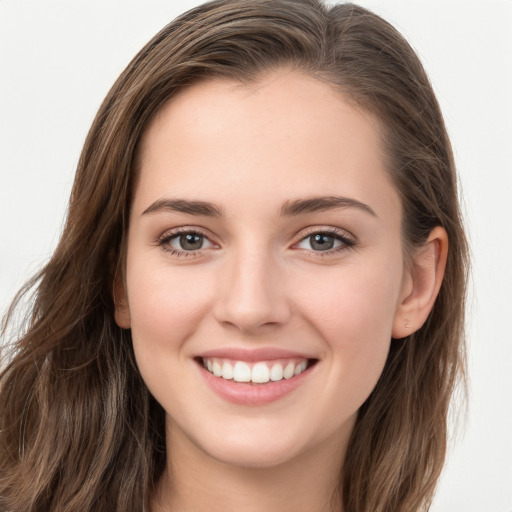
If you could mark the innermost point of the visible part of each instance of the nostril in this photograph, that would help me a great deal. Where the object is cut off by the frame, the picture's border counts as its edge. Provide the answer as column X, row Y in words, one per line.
column 248, row 324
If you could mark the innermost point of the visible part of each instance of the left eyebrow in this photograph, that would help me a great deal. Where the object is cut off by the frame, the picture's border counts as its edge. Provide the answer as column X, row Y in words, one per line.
column 321, row 204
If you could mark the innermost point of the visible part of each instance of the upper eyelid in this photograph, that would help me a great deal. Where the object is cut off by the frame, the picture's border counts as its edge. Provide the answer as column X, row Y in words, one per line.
column 331, row 230
column 172, row 232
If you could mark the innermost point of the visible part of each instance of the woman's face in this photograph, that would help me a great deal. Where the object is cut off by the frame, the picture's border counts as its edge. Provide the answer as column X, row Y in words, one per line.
column 264, row 241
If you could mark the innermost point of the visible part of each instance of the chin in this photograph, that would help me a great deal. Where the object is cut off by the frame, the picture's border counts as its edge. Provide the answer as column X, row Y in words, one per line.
column 249, row 448
column 253, row 456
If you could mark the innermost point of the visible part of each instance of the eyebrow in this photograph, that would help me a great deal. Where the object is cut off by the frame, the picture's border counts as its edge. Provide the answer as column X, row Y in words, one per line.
column 289, row 208
column 321, row 204
column 184, row 206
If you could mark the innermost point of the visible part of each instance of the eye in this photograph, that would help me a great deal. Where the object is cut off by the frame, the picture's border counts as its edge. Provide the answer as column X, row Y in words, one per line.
column 189, row 242
column 184, row 242
column 325, row 241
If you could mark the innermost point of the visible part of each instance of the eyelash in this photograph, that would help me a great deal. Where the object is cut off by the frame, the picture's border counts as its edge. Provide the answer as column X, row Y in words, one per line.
column 347, row 242
column 166, row 239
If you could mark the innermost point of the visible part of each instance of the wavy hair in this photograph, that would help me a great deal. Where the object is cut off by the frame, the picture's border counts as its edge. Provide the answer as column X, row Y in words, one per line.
column 78, row 427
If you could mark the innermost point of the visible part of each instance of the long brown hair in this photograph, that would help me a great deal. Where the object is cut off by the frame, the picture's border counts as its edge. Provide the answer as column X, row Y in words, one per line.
column 78, row 428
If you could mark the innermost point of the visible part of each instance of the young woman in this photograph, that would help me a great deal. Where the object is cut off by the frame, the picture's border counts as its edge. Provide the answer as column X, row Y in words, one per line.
column 257, row 300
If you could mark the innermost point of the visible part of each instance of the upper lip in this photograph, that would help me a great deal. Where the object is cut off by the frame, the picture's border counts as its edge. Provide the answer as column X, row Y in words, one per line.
column 251, row 355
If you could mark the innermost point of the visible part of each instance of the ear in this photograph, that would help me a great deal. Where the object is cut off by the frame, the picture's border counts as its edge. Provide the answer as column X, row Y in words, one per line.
column 122, row 310
column 421, row 284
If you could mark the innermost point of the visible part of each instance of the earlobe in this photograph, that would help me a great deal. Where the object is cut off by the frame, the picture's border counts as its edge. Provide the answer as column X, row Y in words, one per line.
column 121, row 308
column 422, row 284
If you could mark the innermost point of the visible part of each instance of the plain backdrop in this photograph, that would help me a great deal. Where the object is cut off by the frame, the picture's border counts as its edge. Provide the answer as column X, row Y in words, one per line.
column 58, row 60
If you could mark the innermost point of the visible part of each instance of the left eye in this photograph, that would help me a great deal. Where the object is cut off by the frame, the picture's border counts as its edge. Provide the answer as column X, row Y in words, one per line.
column 321, row 242
column 189, row 242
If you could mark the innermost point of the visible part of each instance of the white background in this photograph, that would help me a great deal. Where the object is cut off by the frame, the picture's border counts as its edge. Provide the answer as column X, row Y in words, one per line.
column 58, row 59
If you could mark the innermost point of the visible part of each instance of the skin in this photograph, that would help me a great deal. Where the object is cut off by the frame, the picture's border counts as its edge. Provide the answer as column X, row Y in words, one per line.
column 258, row 281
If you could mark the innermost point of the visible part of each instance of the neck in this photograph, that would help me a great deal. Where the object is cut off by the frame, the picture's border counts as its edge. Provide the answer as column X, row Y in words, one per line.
column 194, row 481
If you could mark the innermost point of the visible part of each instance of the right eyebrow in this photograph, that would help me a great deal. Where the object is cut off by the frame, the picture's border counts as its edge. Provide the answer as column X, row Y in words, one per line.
column 184, row 206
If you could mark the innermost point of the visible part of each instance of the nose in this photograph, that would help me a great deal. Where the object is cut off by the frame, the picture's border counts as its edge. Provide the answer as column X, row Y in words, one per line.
column 252, row 293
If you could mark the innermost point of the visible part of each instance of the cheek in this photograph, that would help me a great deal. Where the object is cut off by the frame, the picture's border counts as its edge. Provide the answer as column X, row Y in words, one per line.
column 353, row 314
column 165, row 307
column 350, row 304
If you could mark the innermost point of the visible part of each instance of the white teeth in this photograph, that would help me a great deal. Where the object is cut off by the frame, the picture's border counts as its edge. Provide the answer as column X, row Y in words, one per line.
column 227, row 371
column 217, row 371
column 242, row 372
column 289, row 371
column 260, row 373
column 276, row 372
column 300, row 368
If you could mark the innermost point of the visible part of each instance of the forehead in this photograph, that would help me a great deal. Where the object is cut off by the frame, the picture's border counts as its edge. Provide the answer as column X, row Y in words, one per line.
column 285, row 135
column 282, row 103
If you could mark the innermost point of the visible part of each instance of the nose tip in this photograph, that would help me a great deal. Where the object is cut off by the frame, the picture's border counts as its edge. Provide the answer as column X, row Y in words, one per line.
column 252, row 298
column 250, row 317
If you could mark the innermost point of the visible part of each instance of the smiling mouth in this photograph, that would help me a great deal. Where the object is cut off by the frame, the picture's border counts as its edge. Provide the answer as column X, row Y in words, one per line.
column 258, row 372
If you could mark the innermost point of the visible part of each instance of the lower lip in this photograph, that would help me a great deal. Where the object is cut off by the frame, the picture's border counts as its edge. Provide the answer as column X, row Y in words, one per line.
column 245, row 393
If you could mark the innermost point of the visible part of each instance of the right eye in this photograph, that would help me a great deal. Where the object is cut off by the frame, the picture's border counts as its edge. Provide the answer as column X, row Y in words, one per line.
column 184, row 242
